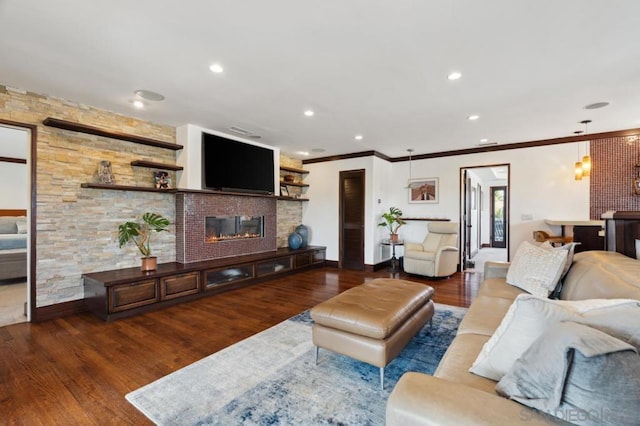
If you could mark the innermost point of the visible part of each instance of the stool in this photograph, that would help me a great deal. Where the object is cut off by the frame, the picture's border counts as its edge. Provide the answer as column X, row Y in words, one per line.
column 372, row 322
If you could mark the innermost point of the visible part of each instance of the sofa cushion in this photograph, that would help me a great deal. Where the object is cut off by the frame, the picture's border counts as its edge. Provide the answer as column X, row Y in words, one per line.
column 530, row 316
column 576, row 369
column 602, row 274
column 456, row 361
column 484, row 315
column 497, row 287
column 536, row 269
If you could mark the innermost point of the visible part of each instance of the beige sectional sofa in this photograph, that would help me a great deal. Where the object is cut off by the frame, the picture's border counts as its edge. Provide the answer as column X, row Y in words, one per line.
column 453, row 395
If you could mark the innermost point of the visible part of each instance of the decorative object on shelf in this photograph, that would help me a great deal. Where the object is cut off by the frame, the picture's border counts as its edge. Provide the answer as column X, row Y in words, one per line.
column 295, row 241
column 162, row 179
column 423, row 191
column 636, row 181
column 140, row 235
column 304, row 233
column 284, row 191
column 105, row 174
column 393, row 221
column 289, row 178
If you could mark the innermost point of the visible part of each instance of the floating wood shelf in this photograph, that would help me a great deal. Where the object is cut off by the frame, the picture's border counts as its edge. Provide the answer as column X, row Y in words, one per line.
column 125, row 188
column 152, row 165
column 293, row 170
column 13, row 160
column 427, row 219
column 83, row 128
column 301, row 185
column 282, row 197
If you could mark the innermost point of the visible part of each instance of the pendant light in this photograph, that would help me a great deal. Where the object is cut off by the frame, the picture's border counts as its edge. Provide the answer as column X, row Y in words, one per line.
column 409, row 183
column 577, row 169
column 586, row 160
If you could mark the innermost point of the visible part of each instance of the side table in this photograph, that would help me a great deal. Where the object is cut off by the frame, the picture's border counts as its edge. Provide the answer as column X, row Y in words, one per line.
column 395, row 264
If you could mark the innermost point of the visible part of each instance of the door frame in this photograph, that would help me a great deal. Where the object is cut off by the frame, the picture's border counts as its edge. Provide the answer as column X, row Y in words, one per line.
column 464, row 208
column 32, row 138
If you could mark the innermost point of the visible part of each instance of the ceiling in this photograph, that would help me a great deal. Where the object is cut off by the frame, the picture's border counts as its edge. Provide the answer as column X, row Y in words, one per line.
column 374, row 68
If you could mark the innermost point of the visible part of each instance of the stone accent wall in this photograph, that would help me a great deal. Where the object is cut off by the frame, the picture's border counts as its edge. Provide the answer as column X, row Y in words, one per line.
column 289, row 212
column 612, row 174
column 76, row 228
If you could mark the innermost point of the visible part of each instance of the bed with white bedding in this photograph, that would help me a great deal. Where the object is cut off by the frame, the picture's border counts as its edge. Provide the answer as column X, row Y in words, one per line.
column 13, row 244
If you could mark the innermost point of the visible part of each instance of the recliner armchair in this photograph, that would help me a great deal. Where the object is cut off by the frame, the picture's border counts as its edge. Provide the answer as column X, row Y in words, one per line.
column 437, row 256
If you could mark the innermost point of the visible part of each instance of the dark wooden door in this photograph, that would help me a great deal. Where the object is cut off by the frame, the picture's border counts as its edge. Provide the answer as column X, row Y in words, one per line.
column 499, row 216
column 352, row 219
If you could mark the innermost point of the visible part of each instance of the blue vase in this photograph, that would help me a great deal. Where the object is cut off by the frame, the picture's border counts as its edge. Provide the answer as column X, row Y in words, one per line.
column 295, row 241
column 304, row 233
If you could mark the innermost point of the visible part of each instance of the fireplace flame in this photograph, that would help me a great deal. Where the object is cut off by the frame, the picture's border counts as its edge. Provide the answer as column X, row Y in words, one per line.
column 218, row 238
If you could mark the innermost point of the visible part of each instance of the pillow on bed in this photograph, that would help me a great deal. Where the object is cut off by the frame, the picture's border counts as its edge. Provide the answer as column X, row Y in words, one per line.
column 21, row 225
column 8, row 225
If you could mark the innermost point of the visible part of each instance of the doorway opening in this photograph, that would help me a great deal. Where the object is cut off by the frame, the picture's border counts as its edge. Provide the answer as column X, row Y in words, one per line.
column 484, row 197
column 15, row 231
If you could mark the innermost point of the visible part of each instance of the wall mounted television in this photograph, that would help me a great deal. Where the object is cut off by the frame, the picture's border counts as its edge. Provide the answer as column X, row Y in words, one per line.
column 234, row 166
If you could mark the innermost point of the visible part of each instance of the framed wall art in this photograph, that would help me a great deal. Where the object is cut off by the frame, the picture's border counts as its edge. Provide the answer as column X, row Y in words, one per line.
column 424, row 190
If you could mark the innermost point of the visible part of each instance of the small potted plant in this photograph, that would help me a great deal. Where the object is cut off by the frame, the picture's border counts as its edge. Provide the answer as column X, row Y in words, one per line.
column 140, row 235
column 392, row 220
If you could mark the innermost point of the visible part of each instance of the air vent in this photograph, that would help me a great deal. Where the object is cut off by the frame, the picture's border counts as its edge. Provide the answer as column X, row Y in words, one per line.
column 487, row 144
column 240, row 131
column 244, row 132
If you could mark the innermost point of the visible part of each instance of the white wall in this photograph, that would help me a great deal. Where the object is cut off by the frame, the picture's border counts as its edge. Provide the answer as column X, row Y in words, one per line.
column 14, row 193
column 542, row 187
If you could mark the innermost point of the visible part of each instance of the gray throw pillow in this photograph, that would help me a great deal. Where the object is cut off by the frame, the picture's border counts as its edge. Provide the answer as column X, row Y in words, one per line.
column 8, row 225
column 578, row 374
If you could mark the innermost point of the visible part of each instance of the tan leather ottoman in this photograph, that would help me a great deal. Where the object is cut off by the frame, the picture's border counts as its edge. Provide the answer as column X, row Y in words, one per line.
column 374, row 321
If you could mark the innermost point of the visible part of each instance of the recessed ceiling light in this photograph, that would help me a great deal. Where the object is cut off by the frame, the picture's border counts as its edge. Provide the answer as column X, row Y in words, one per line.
column 358, row 137
column 309, row 113
column 484, row 140
column 454, row 75
column 597, row 105
column 138, row 104
column 216, row 68
column 305, row 153
column 149, row 95
column 473, row 117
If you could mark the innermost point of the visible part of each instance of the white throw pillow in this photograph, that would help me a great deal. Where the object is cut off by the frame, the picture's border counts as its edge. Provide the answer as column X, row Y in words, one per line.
column 571, row 251
column 530, row 316
column 535, row 269
column 21, row 224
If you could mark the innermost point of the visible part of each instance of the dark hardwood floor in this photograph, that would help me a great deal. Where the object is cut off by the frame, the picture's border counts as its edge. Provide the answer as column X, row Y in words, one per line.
column 76, row 370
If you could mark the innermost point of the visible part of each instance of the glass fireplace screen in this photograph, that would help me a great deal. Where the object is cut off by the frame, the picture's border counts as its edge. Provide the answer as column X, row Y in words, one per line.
column 225, row 228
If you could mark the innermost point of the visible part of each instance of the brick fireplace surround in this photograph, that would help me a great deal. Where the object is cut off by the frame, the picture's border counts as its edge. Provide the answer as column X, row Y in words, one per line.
column 192, row 207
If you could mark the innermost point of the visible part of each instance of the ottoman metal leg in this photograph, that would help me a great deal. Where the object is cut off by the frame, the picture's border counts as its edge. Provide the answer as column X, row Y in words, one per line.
column 381, row 378
column 317, row 350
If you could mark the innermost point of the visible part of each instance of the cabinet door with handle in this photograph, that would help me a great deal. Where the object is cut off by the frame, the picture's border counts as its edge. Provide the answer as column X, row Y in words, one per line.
column 132, row 295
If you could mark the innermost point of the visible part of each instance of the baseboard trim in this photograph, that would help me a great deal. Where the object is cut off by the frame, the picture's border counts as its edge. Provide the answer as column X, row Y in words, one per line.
column 58, row 310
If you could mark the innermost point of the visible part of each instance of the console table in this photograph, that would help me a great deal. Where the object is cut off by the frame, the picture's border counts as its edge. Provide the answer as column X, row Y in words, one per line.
column 124, row 292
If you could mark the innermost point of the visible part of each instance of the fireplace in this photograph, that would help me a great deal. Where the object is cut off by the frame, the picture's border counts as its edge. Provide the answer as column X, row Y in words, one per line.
column 227, row 228
column 249, row 225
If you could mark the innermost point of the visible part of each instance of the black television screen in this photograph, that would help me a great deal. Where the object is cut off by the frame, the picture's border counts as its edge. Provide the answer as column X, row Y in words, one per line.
column 231, row 165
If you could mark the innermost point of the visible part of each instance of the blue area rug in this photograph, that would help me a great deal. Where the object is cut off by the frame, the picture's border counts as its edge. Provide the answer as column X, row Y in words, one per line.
column 271, row 379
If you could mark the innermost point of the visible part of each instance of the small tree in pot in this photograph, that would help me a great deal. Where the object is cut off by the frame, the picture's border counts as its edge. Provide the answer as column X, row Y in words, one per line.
column 392, row 220
column 140, row 235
